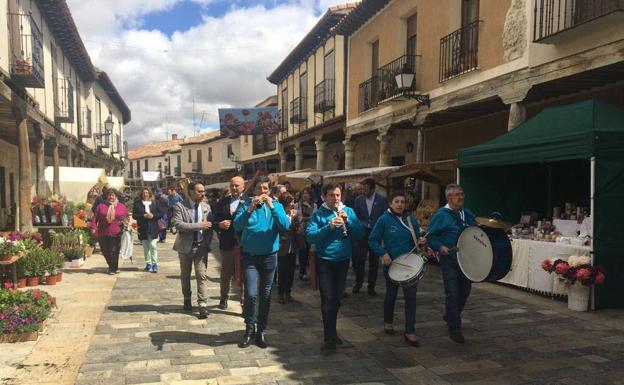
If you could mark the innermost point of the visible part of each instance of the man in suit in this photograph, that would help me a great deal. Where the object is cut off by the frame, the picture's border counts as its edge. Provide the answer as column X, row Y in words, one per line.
column 192, row 219
column 224, row 212
column 368, row 207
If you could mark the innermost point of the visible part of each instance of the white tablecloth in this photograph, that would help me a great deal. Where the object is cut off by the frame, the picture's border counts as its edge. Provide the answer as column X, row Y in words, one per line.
column 526, row 265
column 566, row 227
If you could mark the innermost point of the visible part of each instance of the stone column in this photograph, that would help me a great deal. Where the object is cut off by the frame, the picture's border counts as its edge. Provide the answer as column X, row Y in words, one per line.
column 56, row 184
column 41, row 182
column 283, row 162
column 320, row 155
column 517, row 115
column 384, row 147
column 348, row 151
column 21, row 126
column 298, row 157
column 70, row 157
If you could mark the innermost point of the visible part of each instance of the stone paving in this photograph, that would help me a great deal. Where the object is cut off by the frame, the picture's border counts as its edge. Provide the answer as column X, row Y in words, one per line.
column 513, row 337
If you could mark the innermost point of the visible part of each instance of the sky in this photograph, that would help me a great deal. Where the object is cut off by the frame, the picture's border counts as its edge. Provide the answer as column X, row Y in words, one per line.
column 164, row 54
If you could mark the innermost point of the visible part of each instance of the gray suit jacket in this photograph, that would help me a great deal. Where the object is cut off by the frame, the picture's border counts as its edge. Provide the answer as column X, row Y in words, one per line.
column 183, row 220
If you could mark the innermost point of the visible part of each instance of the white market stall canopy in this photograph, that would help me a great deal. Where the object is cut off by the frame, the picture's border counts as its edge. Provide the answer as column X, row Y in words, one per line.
column 76, row 182
column 357, row 175
column 150, row 176
column 217, row 186
column 116, row 182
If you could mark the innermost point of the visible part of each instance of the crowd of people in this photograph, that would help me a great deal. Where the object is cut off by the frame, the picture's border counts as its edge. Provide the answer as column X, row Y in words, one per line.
column 271, row 230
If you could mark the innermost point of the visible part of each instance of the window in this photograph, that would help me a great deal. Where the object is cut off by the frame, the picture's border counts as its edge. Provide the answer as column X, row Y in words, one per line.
column 145, row 168
column 98, row 115
column 2, row 188
column 469, row 12
column 374, row 58
column 284, row 108
column 330, row 65
column 131, row 173
column 230, row 150
column 190, row 157
column 264, row 143
column 199, row 160
column 411, row 36
column 209, row 154
column 303, row 85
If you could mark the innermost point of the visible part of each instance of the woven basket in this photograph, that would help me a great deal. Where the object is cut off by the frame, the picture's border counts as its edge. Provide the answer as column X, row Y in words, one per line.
column 578, row 297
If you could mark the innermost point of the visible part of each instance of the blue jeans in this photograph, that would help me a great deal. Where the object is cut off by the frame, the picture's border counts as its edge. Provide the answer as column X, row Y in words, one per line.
column 332, row 277
column 259, row 272
column 409, row 293
column 456, row 289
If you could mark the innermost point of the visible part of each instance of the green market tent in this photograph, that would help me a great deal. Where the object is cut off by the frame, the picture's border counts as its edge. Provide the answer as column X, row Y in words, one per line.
column 573, row 153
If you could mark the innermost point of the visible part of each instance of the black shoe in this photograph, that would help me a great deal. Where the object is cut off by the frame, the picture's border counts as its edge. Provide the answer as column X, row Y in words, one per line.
column 188, row 305
column 338, row 341
column 328, row 347
column 203, row 312
column 457, row 337
column 413, row 343
column 261, row 340
column 223, row 304
column 249, row 335
column 356, row 289
column 371, row 291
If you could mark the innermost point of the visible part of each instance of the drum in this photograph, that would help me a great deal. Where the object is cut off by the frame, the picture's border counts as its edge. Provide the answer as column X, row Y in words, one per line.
column 408, row 269
column 484, row 254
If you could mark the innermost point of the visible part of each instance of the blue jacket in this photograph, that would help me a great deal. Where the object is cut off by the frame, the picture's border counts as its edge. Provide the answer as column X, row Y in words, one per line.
column 445, row 227
column 260, row 229
column 397, row 238
column 380, row 205
column 329, row 243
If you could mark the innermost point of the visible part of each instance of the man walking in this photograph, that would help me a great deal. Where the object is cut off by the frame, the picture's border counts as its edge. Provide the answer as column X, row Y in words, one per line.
column 224, row 212
column 193, row 220
column 444, row 229
column 368, row 206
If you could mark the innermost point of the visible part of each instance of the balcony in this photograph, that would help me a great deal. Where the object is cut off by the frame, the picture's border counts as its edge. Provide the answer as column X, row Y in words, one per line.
column 64, row 101
column 86, row 130
column 137, row 174
column 26, row 41
column 116, row 149
column 324, row 96
column 368, row 94
column 552, row 17
column 167, row 170
column 388, row 89
column 299, row 110
column 196, row 167
column 459, row 52
column 102, row 138
column 177, row 171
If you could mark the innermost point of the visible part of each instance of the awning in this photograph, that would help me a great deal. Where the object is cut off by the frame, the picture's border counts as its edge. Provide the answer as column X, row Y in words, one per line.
column 420, row 171
column 357, row 175
column 150, row 176
column 312, row 176
column 279, row 177
column 76, row 182
column 217, row 186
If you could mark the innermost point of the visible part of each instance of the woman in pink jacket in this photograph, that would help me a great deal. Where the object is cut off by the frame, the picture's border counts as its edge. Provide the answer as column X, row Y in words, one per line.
column 107, row 224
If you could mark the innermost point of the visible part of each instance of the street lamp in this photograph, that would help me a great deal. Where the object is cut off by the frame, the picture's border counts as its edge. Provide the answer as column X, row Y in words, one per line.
column 404, row 80
column 234, row 159
column 108, row 124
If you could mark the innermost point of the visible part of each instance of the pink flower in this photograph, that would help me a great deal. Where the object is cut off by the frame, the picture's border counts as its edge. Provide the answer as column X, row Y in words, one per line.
column 547, row 265
column 583, row 274
column 228, row 119
column 562, row 267
column 599, row 279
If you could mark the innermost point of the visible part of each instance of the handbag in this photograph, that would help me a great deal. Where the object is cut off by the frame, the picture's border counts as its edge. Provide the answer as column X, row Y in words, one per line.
column 126, row 247
column 162, row 225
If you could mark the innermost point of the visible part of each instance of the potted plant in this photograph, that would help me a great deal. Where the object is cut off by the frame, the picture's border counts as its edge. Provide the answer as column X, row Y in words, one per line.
column 578, row 275
column 10, row 247
column 21, row 277
column 30, row 273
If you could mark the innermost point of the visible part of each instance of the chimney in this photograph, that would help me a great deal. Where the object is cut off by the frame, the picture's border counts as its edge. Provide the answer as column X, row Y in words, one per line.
column 174, row 136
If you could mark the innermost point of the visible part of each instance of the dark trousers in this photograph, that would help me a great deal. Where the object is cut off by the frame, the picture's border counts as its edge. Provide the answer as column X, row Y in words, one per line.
column 285, row 272
column 332, row 277
column 363, row 252
column 456, row 289
column 110, row 247
column 227, row 272
column 259, row 271
column 304, row 259
column 409, row 293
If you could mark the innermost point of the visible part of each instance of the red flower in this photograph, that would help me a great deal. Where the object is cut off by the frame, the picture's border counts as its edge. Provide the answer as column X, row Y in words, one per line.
column 547, row 265
column 7, row 284
column 134, row 225
column 562, row 267
column 583, row 274
column 599, row 279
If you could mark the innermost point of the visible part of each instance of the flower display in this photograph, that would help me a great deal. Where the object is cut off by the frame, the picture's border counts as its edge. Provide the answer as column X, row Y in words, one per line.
column 235, row 122
column 24, row 311
column 11, row 246
column 575, row 269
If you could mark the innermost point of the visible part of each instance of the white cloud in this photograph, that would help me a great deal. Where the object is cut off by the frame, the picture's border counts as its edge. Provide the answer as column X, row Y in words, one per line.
column 222, row 62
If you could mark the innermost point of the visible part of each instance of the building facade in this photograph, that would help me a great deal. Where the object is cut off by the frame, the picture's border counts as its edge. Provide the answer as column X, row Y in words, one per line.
column 56, row 108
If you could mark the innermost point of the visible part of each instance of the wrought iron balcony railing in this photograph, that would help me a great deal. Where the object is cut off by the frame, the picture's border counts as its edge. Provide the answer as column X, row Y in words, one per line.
column 388, row 88
column 299, row 110
column 196, row 167
column 368, row 94
column 324, row 96
column 177, row 171
column 64, row 101
column 27, row 51
column 459, row 51
column 102, row 138
column 554, row 16
column 137, row 174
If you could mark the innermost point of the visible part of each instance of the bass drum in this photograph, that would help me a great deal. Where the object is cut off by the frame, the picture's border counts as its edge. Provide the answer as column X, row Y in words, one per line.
column 484, row 254
column 408, row 269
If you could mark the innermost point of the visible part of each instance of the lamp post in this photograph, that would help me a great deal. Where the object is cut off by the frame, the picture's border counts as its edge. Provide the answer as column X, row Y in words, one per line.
column 404, row 80
column 234, row 159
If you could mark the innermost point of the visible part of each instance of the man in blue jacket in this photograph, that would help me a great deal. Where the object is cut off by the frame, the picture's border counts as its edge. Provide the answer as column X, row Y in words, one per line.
column 331, row 230
column 444, row 229
column 368, row 207
column 260, row 220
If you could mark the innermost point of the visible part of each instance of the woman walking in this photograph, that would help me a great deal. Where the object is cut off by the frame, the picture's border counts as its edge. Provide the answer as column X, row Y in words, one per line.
column 305, row 209
column 146, row 212
column 107, row 224
column 395, row 229
column 260, row 220
column 286, row 256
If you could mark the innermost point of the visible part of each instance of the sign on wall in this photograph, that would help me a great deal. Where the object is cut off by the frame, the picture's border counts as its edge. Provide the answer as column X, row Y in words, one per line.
column 248, row 121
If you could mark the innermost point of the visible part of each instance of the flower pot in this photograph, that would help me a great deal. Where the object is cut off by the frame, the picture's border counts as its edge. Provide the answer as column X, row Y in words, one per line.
column 51, row 280
column 32, row 281
column 59, row 276
column 5, row 257
column 578, row 297
column 42, row 279
column 21, row 283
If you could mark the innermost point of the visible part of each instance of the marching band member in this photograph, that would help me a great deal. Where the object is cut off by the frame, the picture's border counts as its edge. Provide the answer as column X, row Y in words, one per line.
column 395, row 228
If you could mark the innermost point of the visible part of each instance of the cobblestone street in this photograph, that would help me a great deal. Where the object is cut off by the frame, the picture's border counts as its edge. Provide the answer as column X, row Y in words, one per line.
column 513, row 337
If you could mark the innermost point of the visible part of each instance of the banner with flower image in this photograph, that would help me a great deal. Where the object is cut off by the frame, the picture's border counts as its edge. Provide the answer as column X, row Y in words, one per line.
column 235, row 122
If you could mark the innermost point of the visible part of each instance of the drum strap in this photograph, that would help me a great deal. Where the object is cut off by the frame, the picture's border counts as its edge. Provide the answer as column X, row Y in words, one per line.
column 411, row 229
